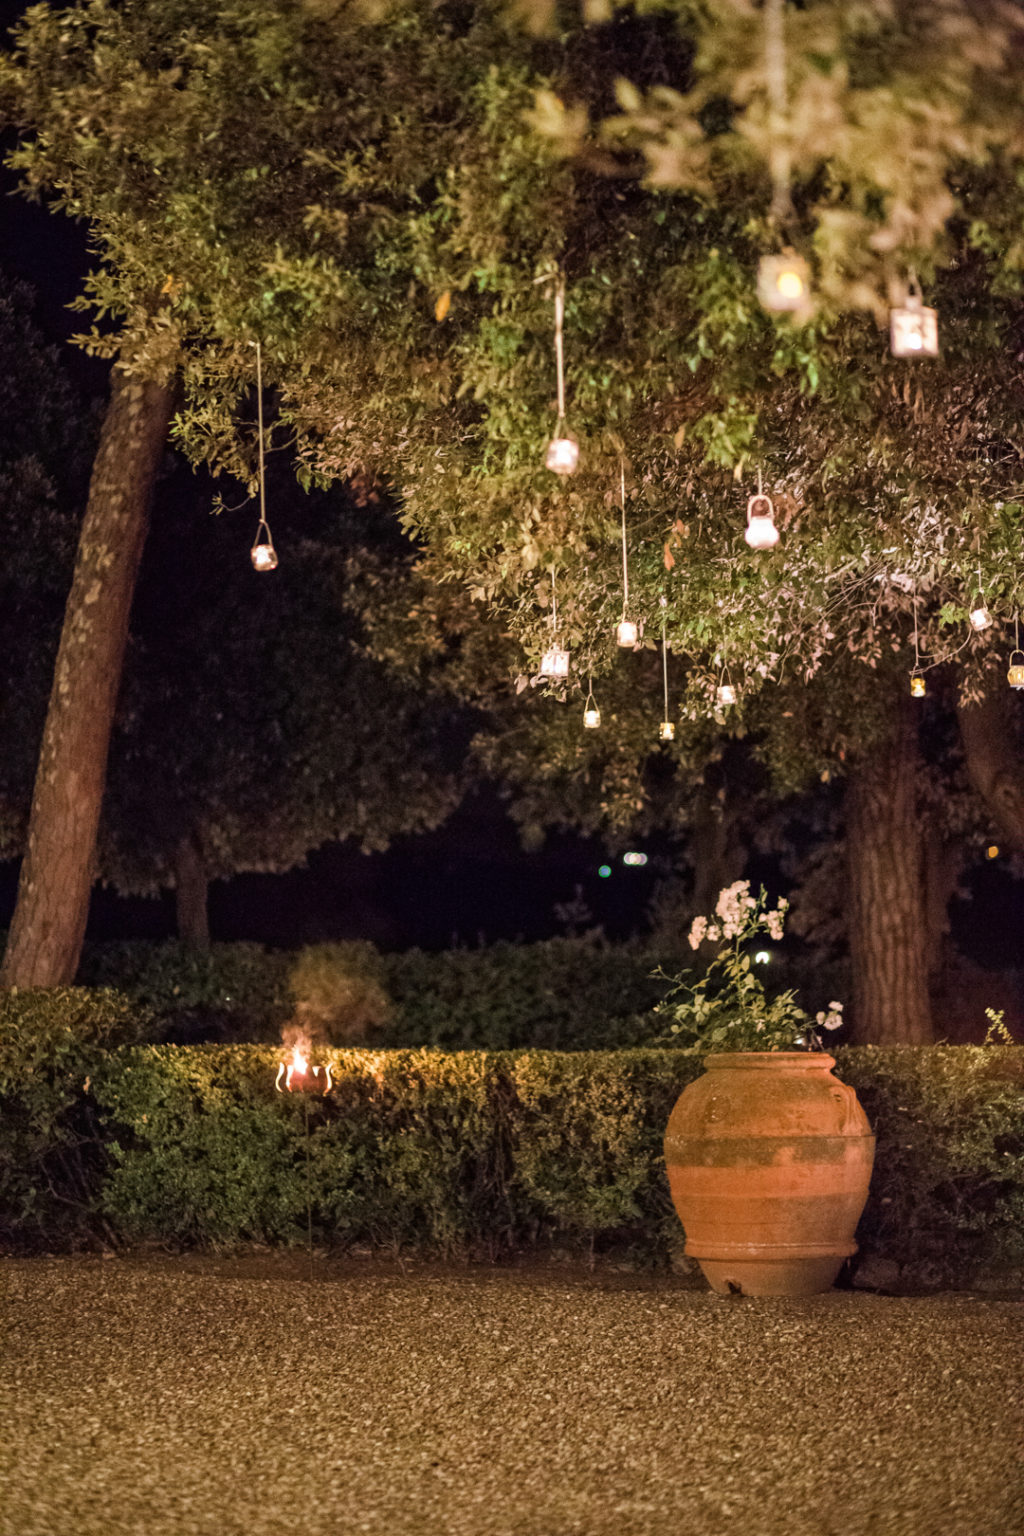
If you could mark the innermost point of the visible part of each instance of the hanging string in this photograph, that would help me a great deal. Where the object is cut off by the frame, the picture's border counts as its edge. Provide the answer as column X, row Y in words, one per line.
column 917, row 657
column 779, row 162
column 559, row 349
column 554, row 606
column 625, row 562
column 664, row 657
column 259, row 418
column 760, row 482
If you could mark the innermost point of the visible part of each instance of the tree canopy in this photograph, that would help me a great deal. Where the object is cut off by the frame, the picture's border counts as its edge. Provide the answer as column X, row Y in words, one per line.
column 389, row 201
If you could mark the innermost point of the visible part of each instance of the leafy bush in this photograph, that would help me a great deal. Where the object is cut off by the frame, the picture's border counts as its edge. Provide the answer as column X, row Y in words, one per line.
column 52, row 1042
column 227, row 991
column 454, row 1152
column 339, row 992
column 487, row 1152
column 947, row 1193
column 562, row 994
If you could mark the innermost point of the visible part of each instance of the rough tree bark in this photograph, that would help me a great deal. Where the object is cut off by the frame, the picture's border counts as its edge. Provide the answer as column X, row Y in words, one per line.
column 57, row 871
column 888, row 920
column 716, row 850
column 994, row 759
column 190, row 893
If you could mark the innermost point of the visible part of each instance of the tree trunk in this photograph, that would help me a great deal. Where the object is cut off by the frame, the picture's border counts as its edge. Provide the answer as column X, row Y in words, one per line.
column 56, row 874
column 717, row 853
column 190, row 893
column 888, row 926
column 994, row 758
column 943, row 865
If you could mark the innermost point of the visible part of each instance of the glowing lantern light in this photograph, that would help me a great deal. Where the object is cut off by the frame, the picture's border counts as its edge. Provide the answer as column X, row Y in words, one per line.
column 761, row 530
column 726, row 694
column 666, row 731
column 297, row 1066
column 563, row 453
column 762, row 957
column 263, row 556
column 634, row 860
column 626, row 633
column 913, row 327
column 917, row 685
column 1015, row 675
column 992, row 851
column 555, row 663
column 784, row 282
column 980, row 617
column 592, row 718
column 562, row 456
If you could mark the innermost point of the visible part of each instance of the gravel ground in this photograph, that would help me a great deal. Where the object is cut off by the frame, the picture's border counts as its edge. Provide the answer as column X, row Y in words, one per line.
column 200, row 1398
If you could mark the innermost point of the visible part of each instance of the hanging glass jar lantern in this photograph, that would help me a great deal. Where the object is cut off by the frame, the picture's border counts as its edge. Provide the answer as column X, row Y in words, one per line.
column 979, row 617
column 263, row 554
column 562, row 456
column 591, row 713
column 666, row 730
column 761, row 530
column 917, row 685
column 563, row 451
column 784, row 282
column 726, row 694
column 554, row 663
column 1015, row 672
column 913, row 327
column 627, row 631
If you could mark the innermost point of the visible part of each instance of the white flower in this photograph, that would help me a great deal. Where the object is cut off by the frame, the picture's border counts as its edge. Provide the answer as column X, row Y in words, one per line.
column 698, row 929
column 730, row 904
column 835, row 1007
column 774, row 923
column 714, row 933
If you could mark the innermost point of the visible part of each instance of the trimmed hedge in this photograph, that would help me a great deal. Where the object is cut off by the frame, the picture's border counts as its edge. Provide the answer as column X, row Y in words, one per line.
column 561, row 994
column 472, row 1153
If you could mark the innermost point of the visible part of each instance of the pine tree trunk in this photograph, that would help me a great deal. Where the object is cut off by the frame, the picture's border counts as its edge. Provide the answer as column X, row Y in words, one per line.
column 57, row 871
column 190, row 893
column 888, row 921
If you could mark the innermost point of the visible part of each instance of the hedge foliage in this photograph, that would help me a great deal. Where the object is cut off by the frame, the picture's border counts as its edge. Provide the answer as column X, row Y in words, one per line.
column 52, row 1042
column 457, row 1153
column 562, row 994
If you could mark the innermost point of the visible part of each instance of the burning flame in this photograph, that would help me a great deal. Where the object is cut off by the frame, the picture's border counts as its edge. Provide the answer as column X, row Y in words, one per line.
column 298, row 1066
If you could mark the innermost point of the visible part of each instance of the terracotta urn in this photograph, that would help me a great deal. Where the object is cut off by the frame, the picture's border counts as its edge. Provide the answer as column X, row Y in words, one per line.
column 769, row 1158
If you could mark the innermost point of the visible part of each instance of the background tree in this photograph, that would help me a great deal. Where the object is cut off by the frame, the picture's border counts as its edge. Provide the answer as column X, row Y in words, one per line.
column 253, row 726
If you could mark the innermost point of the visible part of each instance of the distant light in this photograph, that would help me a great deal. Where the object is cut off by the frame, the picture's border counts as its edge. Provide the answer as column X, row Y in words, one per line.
column 992, row 851
column 605, row 871
column 637, row 860
column 762, row 957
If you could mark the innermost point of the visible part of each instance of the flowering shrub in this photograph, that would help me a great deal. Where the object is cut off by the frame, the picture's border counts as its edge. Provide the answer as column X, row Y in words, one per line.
column 728, row 1009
